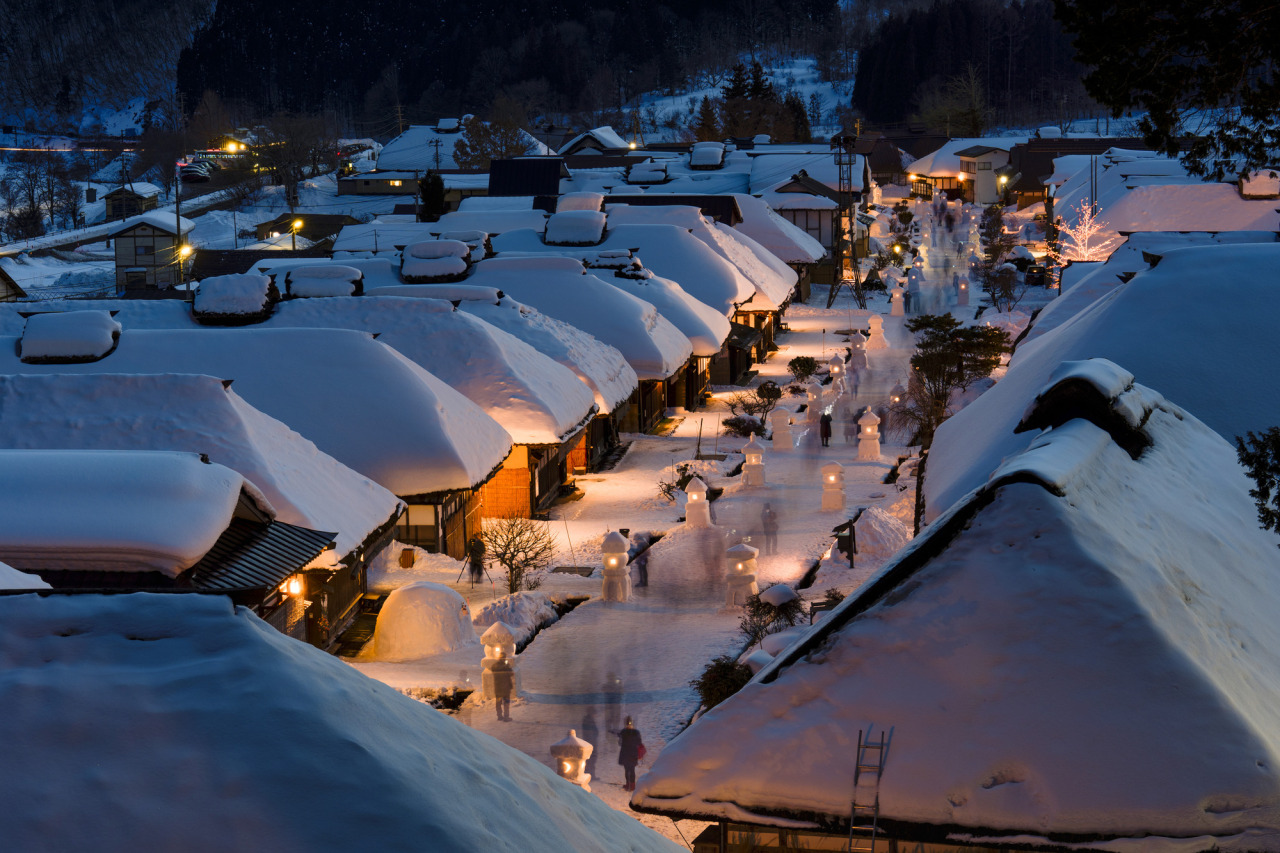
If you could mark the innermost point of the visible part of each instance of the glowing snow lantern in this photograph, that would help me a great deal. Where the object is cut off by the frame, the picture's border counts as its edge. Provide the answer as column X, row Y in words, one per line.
column 740, row 574
column 836, row 364
column 697, row 510
column 753, row 467
column 499, row 645
column 832, row 486
column 868, row 437
column 896, row 307
column 617, row 580
column 876, row 340
column 962, row 292
column 897, row 393
column 814, row 409
column 571, row 756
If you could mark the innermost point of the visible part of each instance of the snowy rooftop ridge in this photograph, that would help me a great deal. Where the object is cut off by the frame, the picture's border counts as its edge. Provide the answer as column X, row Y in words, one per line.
column 1067, row 597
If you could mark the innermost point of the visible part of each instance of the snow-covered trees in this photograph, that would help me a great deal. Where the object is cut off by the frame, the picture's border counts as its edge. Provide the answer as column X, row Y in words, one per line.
column 522, row 546
column 1260, row 456
column 501, row 137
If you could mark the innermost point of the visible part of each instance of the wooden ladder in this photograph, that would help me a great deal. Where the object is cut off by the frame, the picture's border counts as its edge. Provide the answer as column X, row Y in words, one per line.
column 864, row 819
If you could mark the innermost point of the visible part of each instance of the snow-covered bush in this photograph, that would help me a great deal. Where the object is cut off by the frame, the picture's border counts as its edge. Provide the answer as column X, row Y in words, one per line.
column 524, row 612
column 722, row 678
column 763, row 618
column 880, row 534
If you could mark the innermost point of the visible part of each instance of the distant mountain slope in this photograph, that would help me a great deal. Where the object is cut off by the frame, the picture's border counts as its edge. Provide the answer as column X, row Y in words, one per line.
column 65, row 54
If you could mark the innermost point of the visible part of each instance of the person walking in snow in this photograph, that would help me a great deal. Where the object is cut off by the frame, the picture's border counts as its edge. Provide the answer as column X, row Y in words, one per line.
column 769, row 521
column 631, row 750
column 504, row 685
column 824, row 429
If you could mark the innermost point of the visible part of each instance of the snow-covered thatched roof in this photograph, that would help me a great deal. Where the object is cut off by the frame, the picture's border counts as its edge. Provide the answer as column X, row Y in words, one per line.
column 559, row 287
column 195, row 726
column 945, row 162
column 669, row 251
column 359, row 400
column 789, row 243
column 604, row 139
column 195, row 414
column 1198, row 351
column 535, row 399
column 113, row 510
column 1084, row 651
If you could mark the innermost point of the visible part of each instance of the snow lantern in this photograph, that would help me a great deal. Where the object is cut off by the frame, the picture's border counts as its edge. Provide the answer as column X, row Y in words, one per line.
column 740, row 574
column 896, row 394
column 836, row 364
column 499, row 645
column 896, row 307
column 617, row 580
column 753, row 467
column 962, row 292
column 697, row 510
column 571, row 756
column 832, row 486
column 814, row 409
column 780, row 426
column 877, row 339
column 868, row 437
column 422, row 619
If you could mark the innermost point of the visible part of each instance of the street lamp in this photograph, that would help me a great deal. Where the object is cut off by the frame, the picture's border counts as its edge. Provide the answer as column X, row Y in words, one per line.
column 293, row 233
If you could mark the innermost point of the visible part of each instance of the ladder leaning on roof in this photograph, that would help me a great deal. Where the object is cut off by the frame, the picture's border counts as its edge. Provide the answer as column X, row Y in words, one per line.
column 864, row 815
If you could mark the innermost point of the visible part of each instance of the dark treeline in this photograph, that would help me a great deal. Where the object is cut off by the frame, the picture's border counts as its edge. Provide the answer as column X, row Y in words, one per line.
column 446, row 57
column 1008, row 63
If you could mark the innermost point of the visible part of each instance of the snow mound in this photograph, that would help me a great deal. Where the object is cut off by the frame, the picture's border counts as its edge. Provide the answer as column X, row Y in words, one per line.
column 778, row 595
column 524, row 613
column 11, row 578
column 880, row 534
column 386, row 574
column 422, row 619
column 575, row 228
column 323, row 280
column 196, row 726
column 71, row 335
column 244, row 293
column 579, row 201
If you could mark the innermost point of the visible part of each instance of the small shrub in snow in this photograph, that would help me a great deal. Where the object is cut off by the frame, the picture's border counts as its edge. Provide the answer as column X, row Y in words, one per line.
column 802, row 367
column 1260, row 456
column 722, row 678
column 762, row 618
column 743, row 426
column 682, row 475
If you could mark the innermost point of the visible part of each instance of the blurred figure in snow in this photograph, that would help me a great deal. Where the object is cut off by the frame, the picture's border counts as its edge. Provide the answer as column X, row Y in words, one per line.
column 769, row 521
column 630, row 751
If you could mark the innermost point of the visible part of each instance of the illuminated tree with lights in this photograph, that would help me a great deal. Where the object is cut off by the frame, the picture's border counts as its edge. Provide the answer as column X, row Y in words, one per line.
column 1080, row 242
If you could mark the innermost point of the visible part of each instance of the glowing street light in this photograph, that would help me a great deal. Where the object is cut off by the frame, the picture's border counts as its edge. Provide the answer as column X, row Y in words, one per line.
column 293, row 233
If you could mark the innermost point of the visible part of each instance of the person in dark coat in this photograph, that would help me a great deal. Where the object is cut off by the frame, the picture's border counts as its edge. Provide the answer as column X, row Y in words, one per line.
column 824, row 429
column 475, row 559
column 630, row 744
column 769, row 521
column 504, row 685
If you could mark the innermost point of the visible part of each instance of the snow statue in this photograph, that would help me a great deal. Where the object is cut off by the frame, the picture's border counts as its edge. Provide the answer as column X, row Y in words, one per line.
column 753, row 467
column 571, row 756
column 697, row 509
column 877, row 339
column 868, row 438
column 617, row 579
column 962, row 291
column 780, row 426
column 422, row 619
column 833, row 486
column 835, row 367
column 740, row 574
column 499, row 650
column 896, row 308
column 815, row 402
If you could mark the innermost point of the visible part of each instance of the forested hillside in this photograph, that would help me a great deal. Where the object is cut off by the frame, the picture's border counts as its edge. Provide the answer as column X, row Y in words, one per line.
column 60, row 54
column 444, row 57
column 966, row 64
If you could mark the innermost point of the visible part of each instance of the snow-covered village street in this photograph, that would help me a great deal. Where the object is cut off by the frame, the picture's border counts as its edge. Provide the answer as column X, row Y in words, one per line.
column 807, row 425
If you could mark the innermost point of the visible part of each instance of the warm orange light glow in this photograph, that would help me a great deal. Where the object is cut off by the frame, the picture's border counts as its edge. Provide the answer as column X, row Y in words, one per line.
column 295, row 585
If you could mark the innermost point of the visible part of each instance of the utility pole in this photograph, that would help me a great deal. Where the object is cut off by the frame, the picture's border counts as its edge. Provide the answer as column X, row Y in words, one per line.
column 399, row 118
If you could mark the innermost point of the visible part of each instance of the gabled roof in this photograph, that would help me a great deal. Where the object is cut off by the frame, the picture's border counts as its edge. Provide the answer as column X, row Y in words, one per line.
column 600, row 139
column 974, row 151
column 1044, row 658
column 160, row 220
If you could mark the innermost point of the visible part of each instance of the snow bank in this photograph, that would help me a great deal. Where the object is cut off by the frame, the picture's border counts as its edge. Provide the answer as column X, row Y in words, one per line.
column 579, row 201
column 422, row 619
column 524, row 613
column 386, row 573
column 880, row 534
column 73, row 335
column 117, row 511
column 242, row 293
column 269, row 743
column 11, row 578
